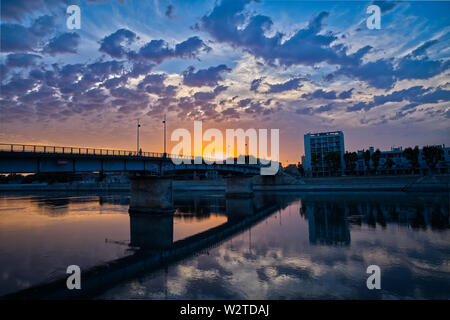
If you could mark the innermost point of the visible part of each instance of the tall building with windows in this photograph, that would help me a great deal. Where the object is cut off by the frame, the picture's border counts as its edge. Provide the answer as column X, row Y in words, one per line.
column 317, row 146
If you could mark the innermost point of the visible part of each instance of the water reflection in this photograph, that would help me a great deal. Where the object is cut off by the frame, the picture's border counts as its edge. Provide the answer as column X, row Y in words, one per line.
column 279, row 258
column 378, row 209
column 310, row 245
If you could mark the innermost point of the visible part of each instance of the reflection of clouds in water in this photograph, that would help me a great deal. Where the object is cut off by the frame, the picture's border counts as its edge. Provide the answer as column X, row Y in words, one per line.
column 282, row 263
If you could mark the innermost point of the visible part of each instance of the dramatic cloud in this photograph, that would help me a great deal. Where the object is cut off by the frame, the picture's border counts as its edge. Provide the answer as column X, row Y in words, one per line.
column 112, row 44
column 204, row 77
column 18, row 9
column 415, row 95
column 18, row 38
column 312, row 111
column 159, row 50
column 209, row 95
column 383, row 74
column 421, row 50
column 22, row 60
column 320, row 94
column 65, row 43
column 292, row 84
column 256, row 84
column 307, row 46
column 386, row 6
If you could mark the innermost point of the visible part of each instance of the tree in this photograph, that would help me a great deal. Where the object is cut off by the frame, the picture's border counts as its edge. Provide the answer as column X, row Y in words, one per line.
column 412, row 155
column 301, row 169
column 333, row 160
column 376, row 159
column 389, row 163
column 366, row 156
column 432, row 155
column 350, row 159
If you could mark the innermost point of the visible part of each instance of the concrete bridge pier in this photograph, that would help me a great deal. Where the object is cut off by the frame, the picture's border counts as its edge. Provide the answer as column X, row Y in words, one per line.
column 239, row 187
column 151, row 231
column 150, row 194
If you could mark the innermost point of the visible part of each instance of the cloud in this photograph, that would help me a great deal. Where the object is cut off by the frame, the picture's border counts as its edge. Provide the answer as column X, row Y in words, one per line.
column 414, row 95
column 64, row 43
column 422, row 49
column 17, row 87
column 18, row 38
column 154, row 83
column 229, row 24
column 209, row 95
column 320, row 94
column 312, row 111
column 170, row 10
column 22, row 60
column 112, row 44
column 244, row 102
column 346, row 94
column 383, row 74
column 292, row 84
column 328, row 95
column 386, row 6
column 140, row 68
column 17, row 9
column 256, row 83
column 159, row 50
column 204, row 77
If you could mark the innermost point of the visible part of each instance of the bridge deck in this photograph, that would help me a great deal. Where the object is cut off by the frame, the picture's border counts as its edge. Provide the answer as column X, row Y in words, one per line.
column 15, row 158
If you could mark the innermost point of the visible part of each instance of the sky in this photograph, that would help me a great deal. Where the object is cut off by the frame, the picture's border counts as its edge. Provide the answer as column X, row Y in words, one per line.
column 296, row 66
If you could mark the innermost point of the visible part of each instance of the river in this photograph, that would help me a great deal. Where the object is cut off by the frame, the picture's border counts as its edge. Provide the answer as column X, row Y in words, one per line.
column 309, row 245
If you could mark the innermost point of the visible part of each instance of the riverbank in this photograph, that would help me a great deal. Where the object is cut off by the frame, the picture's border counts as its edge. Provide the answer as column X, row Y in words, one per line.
column 364, row 183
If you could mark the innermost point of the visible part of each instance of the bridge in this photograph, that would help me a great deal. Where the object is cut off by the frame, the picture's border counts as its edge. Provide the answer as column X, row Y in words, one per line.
column 19, row 158
column 151, row 173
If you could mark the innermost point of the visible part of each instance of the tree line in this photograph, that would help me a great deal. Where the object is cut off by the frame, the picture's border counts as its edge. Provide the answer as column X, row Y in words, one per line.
column 431, row 154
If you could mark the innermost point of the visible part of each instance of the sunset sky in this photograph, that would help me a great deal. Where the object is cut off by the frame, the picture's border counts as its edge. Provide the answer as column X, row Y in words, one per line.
column 297, row 66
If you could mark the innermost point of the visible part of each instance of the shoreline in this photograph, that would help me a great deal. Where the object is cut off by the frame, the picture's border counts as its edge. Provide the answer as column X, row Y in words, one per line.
column 364, row 183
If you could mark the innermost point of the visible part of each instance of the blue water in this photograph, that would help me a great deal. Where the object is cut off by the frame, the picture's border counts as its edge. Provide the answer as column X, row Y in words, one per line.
column 309, row 246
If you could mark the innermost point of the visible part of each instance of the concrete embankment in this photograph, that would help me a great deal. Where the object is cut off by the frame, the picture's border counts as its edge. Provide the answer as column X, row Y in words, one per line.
column 62, row 187
column 371, row 183
column 379, row 183
column 274, row 183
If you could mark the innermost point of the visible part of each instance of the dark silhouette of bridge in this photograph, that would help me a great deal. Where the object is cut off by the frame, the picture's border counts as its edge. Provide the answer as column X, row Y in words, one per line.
column 17, row 158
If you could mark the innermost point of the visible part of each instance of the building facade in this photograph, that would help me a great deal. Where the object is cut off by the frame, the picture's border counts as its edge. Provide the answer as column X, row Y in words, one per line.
column 317, row 146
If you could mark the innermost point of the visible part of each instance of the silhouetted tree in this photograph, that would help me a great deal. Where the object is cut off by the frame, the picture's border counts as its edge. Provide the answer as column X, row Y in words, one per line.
column 389, row 163
column 412, row 155
column 333, row 160
column 350, row 159
column 366, row 157
column 432, row 155
column 376, row 159
column 301, row 169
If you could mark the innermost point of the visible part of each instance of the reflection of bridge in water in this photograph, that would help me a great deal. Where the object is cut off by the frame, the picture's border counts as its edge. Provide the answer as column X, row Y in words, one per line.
column 151, row 235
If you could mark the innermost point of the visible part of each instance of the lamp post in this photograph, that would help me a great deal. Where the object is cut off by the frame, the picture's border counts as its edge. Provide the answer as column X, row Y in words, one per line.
column 164, row 123
column 138, row 126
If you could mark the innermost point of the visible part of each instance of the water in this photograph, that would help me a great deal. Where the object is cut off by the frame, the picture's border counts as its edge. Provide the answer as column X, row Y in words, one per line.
column 306, row 245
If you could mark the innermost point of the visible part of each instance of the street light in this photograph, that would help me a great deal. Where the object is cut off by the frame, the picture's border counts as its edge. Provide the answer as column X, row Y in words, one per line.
column 164, row 122
column 138, row 126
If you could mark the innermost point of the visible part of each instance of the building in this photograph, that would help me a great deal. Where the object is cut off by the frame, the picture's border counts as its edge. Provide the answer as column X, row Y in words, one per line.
column 317, row 146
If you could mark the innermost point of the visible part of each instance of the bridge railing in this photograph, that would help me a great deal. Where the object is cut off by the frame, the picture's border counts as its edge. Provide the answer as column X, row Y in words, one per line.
column 11, row 147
